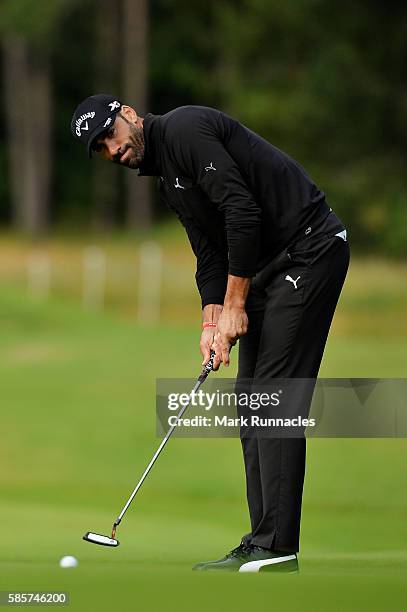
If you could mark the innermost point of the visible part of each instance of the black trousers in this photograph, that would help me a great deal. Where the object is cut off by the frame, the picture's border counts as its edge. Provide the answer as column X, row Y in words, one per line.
column 289, row 321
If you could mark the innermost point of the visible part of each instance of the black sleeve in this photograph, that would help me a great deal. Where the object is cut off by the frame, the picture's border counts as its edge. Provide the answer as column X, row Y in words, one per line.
column 198, row 148
column 212, row 265
column 211, row 268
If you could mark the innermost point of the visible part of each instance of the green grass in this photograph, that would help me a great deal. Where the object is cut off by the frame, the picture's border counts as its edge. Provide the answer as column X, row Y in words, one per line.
column 78, row 426
column 373, row 303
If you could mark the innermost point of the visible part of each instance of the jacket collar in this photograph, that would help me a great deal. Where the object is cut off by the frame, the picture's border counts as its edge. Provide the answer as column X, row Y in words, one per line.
column 150, row 166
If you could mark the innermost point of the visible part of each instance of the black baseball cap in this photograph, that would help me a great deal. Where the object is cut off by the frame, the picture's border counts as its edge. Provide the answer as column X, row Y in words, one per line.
column 93, row 116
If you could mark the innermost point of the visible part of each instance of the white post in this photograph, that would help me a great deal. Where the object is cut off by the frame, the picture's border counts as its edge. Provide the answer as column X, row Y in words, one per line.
column 94, row 277
column 39, row 275
column 149, row 286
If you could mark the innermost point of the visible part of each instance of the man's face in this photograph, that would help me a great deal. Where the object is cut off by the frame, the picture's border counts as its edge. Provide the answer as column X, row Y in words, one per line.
column 123, row 142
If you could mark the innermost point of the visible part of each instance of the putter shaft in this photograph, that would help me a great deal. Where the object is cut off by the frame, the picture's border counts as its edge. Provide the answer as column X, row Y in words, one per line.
column 207, row 368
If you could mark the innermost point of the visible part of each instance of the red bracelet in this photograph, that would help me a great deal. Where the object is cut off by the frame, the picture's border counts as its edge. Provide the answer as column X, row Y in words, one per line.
column 206, row 325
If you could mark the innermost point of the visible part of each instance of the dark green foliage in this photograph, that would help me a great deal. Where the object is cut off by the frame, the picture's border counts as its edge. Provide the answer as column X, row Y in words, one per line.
column 36, row 20
column 324, row 81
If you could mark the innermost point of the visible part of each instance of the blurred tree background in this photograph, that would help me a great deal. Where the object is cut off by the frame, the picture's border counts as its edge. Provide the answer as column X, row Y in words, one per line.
column 323, row 80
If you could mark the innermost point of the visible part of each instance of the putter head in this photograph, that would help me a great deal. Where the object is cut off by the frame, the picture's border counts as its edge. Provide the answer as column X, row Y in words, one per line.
column 97, row 538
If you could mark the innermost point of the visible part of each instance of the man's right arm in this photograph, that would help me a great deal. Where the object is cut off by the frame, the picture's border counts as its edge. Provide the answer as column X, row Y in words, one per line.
column 211, row 266
column 212, row 262
column 211, row 279
column 210, row 314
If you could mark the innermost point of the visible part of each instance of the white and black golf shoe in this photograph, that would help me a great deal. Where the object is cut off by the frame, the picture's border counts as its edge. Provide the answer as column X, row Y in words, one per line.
column 253, row 559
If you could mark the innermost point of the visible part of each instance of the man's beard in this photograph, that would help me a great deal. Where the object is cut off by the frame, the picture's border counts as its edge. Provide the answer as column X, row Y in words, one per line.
column 136, row 144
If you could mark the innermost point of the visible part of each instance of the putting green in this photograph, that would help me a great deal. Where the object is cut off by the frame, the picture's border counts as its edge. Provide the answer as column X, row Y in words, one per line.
column 78, row 427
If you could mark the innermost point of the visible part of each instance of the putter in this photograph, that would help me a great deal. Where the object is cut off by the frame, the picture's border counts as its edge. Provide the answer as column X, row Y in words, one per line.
column 103, row 540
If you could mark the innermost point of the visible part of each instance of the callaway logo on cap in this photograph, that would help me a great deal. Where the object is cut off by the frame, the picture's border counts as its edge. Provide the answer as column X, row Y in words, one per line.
column 93, row 116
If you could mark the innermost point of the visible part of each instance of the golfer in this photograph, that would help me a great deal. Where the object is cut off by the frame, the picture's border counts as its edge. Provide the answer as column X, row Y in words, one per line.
column 271, row 260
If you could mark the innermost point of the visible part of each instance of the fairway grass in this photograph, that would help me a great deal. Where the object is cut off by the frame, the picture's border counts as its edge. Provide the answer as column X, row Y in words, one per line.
column 78, row 427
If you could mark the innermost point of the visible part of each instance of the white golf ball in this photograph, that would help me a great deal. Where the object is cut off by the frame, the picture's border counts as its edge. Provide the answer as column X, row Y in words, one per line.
column 68, row 561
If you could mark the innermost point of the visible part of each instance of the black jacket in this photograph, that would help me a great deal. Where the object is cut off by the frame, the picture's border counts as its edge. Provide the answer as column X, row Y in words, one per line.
column 241, row 199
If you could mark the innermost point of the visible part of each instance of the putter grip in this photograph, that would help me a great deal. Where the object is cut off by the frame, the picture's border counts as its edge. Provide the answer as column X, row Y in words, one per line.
column 208, row 367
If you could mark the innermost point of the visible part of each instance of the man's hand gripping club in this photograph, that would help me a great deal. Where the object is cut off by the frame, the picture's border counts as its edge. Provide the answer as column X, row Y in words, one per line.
column 224, row 325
